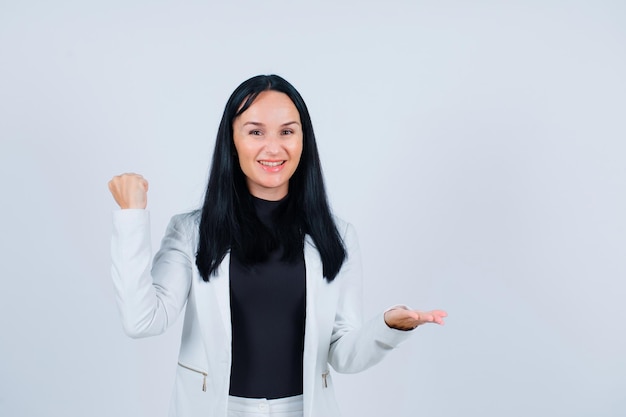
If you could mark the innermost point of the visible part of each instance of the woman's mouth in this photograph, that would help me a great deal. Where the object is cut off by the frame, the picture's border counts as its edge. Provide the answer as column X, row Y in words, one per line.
column 271, row 164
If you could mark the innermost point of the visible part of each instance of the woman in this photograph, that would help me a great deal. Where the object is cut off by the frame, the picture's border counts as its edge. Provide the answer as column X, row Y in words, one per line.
column 270, row 279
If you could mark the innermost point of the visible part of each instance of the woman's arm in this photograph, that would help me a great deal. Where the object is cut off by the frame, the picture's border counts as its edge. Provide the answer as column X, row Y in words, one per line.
column 149, row 300
column 355, row 346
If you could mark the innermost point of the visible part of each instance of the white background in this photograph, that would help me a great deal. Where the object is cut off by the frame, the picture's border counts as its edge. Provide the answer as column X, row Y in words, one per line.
column 478, row 147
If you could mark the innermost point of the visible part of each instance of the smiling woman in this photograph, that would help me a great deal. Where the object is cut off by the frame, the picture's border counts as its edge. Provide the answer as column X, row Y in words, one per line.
column 268, row 139
column 270, row 280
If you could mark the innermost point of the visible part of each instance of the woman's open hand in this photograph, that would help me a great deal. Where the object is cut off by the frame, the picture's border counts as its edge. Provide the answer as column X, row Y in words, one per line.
column 406, row 319
column 130, row 191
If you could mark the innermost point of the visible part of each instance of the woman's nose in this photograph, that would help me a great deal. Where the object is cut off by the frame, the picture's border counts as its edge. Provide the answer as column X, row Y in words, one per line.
column 272, row 144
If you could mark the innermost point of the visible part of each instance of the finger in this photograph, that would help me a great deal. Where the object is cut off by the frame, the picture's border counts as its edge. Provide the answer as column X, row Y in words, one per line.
column 434, row 316
column 427, row 317
column 439, row 316
column 114, row 185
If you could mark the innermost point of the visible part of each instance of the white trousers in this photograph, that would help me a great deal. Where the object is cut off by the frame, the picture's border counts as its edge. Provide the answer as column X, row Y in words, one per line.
column 261, row 407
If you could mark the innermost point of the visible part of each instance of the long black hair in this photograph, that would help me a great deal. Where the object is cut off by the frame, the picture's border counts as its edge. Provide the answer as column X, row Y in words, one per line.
column 228, row 220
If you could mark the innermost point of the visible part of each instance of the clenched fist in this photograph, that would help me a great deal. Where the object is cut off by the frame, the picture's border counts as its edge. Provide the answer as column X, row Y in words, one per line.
column 130, row 191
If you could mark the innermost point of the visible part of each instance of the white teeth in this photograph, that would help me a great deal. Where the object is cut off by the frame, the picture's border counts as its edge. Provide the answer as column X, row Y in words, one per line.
column 271, row 164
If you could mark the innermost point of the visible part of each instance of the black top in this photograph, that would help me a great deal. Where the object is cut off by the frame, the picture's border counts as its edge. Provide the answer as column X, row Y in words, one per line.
column 267, row 304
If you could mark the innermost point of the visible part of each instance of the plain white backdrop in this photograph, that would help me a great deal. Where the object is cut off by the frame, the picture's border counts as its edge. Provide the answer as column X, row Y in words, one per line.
column 478, row 147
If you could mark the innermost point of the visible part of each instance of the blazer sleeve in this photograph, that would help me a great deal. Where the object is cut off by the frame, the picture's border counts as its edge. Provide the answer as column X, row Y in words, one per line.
column 149, row 299
column 356, row 346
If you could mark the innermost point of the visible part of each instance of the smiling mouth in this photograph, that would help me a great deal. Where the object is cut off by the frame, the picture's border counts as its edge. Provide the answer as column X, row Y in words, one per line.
column 271, row 163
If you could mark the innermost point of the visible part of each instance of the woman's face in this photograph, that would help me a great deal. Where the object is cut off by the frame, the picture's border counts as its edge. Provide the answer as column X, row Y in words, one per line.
column 268, row 138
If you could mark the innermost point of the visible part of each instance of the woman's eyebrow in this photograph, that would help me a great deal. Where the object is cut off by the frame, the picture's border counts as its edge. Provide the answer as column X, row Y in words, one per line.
column 262, row 124
column 254, row 123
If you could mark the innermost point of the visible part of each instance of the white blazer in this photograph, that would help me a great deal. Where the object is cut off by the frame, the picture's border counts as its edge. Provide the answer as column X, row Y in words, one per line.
column 150, row 300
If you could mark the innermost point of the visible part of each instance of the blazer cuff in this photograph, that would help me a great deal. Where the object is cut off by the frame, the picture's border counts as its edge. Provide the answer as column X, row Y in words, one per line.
column 131, row 217
column 387, row 335
column 131, row 223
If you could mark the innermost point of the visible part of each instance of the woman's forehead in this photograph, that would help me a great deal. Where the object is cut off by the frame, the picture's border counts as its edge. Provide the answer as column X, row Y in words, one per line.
column 271, row 106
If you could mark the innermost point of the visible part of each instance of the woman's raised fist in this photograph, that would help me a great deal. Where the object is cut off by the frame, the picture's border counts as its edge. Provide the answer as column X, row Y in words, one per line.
column 130, row 191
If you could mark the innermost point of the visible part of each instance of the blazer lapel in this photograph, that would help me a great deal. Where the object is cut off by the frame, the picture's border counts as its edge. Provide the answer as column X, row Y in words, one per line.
column 213, row 305
column 314, row 276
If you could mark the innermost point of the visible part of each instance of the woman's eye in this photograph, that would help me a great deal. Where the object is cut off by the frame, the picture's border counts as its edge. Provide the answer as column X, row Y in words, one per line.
column 255, row 132
column 287, row 132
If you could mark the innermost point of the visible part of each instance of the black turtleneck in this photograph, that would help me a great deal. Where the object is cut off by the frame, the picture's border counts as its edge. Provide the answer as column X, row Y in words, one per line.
column 267, row 304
